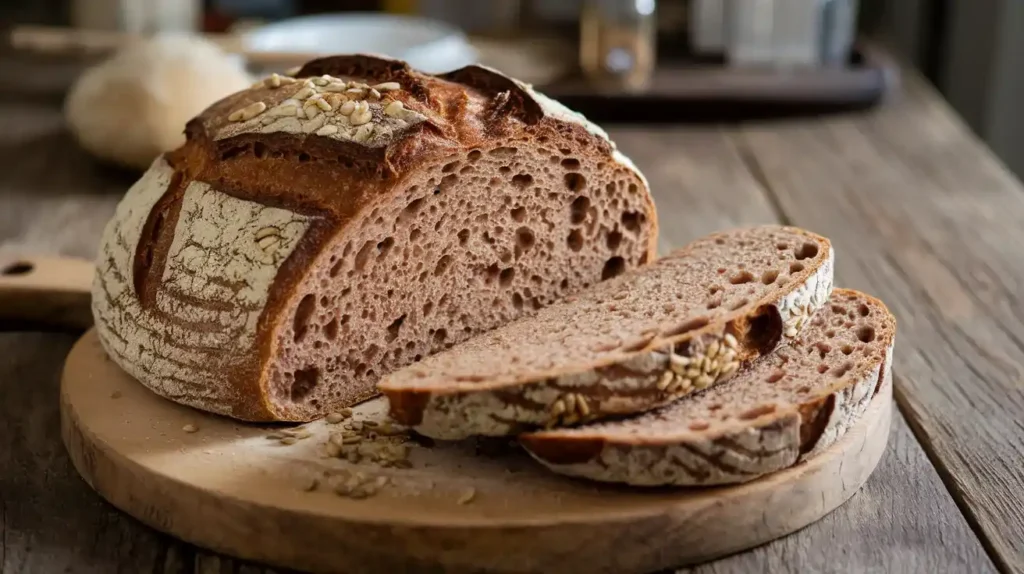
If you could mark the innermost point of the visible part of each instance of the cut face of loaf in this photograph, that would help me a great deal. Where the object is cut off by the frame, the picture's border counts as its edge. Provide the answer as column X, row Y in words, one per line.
column 786, row 407
column 627, row 345
column 316, row 233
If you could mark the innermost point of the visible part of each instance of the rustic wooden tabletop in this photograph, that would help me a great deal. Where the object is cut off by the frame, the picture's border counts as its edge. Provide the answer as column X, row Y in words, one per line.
column 921, row 215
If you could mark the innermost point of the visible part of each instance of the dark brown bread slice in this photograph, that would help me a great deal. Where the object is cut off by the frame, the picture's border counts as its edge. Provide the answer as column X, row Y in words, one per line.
column 315, row 233
column 786, row 407
column 626, row 345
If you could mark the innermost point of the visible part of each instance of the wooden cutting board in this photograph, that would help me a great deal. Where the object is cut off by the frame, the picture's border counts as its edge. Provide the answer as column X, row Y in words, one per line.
column 467, row 507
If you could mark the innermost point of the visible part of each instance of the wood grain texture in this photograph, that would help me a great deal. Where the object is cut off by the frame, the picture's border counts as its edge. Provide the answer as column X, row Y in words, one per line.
column 55, row 200
column 925, row 218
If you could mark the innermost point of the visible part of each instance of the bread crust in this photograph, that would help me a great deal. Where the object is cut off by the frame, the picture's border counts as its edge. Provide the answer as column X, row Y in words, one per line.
column 201, row 261
column 735, row 453
column 635, row 383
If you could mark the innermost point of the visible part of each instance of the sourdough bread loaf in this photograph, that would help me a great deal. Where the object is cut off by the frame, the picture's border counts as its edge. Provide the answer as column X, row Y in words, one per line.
column 626, row 345
column 317, row 232
column 786, row 407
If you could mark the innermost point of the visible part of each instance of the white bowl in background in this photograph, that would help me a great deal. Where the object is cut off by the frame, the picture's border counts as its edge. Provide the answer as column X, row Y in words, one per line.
column 428, row 45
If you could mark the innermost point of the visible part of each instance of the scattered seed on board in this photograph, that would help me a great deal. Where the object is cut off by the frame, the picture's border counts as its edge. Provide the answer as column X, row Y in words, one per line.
column 190, row 428
column 334, row 418
column 289, row 440
column 467, row 496
column 311, row 484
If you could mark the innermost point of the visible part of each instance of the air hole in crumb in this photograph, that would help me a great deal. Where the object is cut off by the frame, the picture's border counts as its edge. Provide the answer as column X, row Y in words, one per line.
column 442, row 265
column 700, row 426
column 822, row 368
column 574, row 182
column 722, row 270
column 842, row 369
column 504, row 152
column 331, row 330
column 575, row 240
column 764, row 330
column 304, row 383
column 741, row 278
column 411, row 210
column 613, row 240
column 522, row 181
column 475, row 155
column 427, row 308
column 613, row 267
column 506, row 276
column 804, row 390
column 687, row 326
column 259, row 150
column 384, row 247
column 303, row 312
column 847, row 349
column 492, row 273
column 823, row 349
column 571, row 163
column 632, row 220
column 517, row 301
column 866, row 334
column 463, row 236
column 439, row 336
column 304, row 157
column 578, row 210
column 450, row 167
column 830, row 333
column 756, row 412
column 505, row 169
column 519, row 214
column 769, row 277
column 776, row 376
column 781, row 246
column 795, row 267
column 806, row 251
column 863, row 310
column 525, row 238
column 394, row 328
column 715, row 302
column 564, row 284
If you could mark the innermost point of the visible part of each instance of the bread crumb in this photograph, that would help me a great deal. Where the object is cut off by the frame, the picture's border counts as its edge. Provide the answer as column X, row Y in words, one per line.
column 115, row 395
column 190, row 428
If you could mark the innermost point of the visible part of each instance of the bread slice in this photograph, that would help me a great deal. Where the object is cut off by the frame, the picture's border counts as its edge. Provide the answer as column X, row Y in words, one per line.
column 315, row 233
column 626, row 345
column 786, row 407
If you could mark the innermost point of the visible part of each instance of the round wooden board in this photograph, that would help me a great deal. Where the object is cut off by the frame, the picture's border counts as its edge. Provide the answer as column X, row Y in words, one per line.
column 228, row 488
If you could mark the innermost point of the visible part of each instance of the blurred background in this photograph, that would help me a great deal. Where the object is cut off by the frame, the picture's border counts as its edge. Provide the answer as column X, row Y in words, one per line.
column 614, row 60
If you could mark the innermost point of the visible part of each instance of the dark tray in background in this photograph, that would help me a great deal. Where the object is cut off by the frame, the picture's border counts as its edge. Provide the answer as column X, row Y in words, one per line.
column 709, row 92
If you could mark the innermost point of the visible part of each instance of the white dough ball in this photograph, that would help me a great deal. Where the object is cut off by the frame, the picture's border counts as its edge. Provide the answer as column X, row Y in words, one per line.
column 134, row 106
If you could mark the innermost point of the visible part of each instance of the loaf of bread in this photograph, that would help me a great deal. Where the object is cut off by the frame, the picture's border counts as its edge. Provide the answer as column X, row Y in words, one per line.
column 787, row 407
column 316, row 232
column 626, row 345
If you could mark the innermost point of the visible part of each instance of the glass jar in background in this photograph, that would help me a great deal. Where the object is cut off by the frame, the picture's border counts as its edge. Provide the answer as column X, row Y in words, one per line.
column 618, row 43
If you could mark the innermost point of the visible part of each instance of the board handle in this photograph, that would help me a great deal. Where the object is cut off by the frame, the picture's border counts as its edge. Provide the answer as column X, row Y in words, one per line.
column 45, row 292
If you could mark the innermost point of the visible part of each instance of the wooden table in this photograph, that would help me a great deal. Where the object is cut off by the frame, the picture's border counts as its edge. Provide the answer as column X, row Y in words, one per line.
column 920, row 212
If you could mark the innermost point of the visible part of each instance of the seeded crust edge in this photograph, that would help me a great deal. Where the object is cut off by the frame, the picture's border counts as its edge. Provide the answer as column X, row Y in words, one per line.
column 735, row 454
column 522, row 406
column 244, row 386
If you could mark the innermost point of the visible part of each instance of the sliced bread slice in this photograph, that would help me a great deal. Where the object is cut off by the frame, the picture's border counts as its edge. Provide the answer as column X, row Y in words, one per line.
column 625, row 345
column 786, row 407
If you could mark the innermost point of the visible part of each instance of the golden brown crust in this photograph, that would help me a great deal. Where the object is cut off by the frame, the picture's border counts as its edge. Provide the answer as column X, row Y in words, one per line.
column 333, row 181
